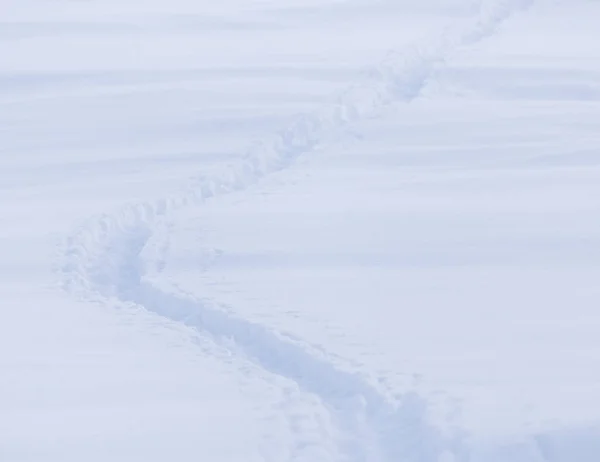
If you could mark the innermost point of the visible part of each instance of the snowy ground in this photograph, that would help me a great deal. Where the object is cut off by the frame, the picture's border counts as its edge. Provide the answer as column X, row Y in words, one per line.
column 362, row 231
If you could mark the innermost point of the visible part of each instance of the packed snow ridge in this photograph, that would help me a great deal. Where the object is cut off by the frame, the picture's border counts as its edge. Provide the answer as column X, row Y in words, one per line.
column 99, row 255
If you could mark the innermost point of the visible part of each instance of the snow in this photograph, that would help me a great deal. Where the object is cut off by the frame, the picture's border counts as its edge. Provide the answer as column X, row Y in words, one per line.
column 299, row 231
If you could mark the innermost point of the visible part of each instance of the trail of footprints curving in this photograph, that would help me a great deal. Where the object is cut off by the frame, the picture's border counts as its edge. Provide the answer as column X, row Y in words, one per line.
column 102, row 259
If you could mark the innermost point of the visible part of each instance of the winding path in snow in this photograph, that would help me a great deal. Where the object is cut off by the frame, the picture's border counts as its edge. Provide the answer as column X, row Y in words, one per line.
column 102, row 259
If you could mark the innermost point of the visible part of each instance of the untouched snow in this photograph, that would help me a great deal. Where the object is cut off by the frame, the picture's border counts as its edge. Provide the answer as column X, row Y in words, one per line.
column 362, row 231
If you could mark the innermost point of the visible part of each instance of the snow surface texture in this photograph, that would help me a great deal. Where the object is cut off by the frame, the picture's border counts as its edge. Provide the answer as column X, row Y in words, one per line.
column 244, row 268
